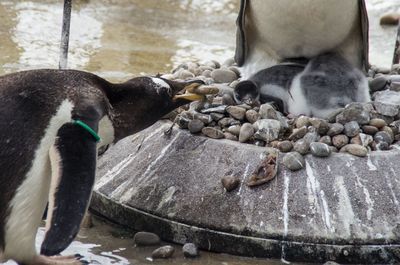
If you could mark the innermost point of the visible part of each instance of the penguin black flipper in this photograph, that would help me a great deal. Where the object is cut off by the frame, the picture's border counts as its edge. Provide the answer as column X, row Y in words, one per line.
column 240, row 52
column 73, row 160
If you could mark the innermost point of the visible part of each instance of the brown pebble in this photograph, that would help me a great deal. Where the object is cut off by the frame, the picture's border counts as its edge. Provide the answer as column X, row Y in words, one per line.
column 230, row 183
column 371, row 130
column 340, row 140
column 302, row 121
column 285, row 146
column 252, row 116
column 298, row 133
column 164, row 252
column 378, row 123
column 355, row 149
column 356, row 140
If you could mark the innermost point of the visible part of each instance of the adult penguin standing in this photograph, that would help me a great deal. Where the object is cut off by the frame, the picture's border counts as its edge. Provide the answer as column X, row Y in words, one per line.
column 51, row 124
column 270, row 31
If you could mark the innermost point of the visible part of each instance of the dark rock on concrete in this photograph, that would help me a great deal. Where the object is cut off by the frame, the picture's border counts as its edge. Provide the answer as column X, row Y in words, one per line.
column 230, row 183
column 285, row 146
column 320, row 149
column 146, row 239
column 371, row 130
column 294, row 161
column 195, row 126
column 212, row 133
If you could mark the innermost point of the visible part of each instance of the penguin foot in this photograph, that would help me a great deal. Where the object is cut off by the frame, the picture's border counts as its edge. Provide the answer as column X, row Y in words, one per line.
column 55, row 260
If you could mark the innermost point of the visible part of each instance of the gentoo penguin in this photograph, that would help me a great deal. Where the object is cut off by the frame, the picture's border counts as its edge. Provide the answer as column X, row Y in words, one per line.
column 327, row 83
column 269, row 85
column 270, row 31
column 51, row 124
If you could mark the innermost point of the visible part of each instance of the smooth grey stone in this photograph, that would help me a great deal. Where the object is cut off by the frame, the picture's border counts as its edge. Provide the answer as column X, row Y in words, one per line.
column 387, row 102
column 340, row 140
column 190, row 250
column 351, row 129
column 223, row 76
column 212, row 133
column 320, row 149
column 353, row 112
column 335, row 129
column 302, row 147
column 383, row 136
column 246, row 132
column 234, row 129
column 216, row 116
column 395, row 86
column 195, row 126
column 219, row 109
column 311, row 137
column 228, row 100
column 294, row 161
column 185, row 74
column 164, row 252
column 229, row 62
column 236, row 112
column 230, row 182
column 146, row 239
column 267, row 129
column 378, row 84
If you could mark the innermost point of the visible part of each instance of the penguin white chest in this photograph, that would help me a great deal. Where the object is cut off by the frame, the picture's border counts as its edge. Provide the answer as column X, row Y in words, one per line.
column 301, row 28
column 27, row 206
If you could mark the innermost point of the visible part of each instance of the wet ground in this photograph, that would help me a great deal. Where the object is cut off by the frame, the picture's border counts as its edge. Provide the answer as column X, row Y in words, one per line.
column 118, row 39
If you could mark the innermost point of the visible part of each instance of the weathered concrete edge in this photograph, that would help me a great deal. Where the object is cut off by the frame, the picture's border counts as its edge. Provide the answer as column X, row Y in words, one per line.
column 217, row 241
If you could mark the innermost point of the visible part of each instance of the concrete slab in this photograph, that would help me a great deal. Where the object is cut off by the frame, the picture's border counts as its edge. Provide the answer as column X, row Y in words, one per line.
column 342, row 208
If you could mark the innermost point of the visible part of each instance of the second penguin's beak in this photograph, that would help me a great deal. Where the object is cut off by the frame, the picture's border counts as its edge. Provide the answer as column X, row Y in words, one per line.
column 196, row 91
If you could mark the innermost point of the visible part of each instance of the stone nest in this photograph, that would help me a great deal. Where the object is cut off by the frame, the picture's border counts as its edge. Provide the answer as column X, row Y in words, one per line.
column 357, row 129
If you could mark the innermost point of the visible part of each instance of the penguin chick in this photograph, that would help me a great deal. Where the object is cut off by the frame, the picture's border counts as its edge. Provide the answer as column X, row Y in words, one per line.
column 327, row 83
column 50, row 125
column 269, row 85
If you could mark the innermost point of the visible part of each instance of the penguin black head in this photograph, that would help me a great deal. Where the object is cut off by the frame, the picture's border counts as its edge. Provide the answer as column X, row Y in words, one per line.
column 141, row 101
column 247, row 92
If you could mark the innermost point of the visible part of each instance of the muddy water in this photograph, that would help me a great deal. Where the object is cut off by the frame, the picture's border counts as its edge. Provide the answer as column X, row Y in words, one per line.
column 121, row 38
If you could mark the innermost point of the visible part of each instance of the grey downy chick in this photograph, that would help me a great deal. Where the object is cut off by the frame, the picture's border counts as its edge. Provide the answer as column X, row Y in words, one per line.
column 327, row 83
column 270, row 85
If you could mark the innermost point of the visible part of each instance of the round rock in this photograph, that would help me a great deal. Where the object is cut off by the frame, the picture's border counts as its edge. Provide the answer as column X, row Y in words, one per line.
column 321, row 125
column 371, row 130
column 302, row 121
column 326, row 140
column 285, row 146
column 230, row 136
column 351, row 129
column 252, row 116
column 383, row 136
column 294, row 161
column 340, row 140
column 302, row 146
column 195, row 126
column 378, row 123
column 190, row 250
column 320, row 149
column 298, row 133
column 378, row 84
column 234, row 129
column 355, row 149
column 223, row 76
column 236, row 112
column 146, row 239
column 164, row 252
column 246, row 132
column 335, row 129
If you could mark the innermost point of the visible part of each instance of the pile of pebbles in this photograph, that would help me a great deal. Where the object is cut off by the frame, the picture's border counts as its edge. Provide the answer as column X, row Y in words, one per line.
column 356, row 129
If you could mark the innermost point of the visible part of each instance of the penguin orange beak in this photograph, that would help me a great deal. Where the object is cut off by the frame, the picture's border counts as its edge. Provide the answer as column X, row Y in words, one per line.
column 196, row 91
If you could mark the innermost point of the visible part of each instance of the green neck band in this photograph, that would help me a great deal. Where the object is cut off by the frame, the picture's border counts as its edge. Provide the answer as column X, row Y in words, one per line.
column 88, row 129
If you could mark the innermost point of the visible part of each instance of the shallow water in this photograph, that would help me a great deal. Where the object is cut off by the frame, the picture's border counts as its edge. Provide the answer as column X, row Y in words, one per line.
column 121, row 38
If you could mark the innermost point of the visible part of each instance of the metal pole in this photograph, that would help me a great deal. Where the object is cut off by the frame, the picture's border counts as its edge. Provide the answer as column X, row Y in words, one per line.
column 396, row 55
column 65, row 34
